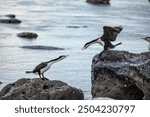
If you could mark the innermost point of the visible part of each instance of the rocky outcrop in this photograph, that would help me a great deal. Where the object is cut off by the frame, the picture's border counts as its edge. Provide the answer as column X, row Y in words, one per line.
column 0, row 82
column 40, row 47
column 141, row 75
column 112, row 76
column 10, row 19
column 27, row 35
column 98, row 1
column 38, row 89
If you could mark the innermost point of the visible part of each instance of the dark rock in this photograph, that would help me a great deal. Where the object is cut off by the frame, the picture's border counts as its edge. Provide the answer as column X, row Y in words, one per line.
column 76, row 26
column 0, row 82
column 10, row 15
column 27, row 35
column 141, row 75
column 98, row 1
column 38, row 89
column 39, row 47
column 111, row 78
column 10, row 21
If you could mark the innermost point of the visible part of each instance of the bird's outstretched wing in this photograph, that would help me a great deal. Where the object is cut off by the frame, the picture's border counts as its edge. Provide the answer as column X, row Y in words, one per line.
column 39, row 67
column 110, row 33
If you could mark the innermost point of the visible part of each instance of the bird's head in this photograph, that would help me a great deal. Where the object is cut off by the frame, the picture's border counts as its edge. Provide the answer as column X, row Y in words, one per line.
column 62, row 57
column 85, row 46
column 146, row 39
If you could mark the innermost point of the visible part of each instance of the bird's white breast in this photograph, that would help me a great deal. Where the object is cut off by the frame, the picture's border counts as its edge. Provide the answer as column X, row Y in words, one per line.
column 45, row 68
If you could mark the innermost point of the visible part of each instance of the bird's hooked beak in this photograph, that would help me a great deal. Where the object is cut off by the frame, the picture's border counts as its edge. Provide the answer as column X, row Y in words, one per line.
column 83, row 48
column 66, row 55
column 144, row 39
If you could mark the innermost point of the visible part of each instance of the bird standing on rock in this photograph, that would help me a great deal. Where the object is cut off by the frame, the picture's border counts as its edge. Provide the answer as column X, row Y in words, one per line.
column 44, row 66
column 109, row 34
column 148, row 40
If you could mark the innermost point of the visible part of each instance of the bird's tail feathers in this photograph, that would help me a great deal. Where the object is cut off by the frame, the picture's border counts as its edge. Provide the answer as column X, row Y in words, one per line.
column 118, row 44
column 27, row 72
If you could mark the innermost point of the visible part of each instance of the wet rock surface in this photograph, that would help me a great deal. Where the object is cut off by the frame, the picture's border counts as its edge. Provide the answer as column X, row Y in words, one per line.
column 40, row 47
column 27, row 35
column 98, row 1
column 111, row 78
column 38, row 89
column 10, row 19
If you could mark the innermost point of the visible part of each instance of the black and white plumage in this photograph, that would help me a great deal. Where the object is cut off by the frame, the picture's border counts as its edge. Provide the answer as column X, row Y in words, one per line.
column 148, row 40
column 109, row 35
column 44, row 66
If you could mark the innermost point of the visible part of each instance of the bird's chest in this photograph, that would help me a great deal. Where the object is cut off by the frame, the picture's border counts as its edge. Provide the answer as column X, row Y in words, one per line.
column 45, row 69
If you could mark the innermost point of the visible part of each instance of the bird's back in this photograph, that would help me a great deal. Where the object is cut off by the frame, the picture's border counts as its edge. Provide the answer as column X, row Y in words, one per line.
column 39, row 67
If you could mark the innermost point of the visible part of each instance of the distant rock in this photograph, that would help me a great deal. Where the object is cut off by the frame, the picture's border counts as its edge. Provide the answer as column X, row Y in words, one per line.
column 39, row 47
column 10, row 15
column 76, row 26
column 27, row 35
column 116, row 75
column 99, row 1
column 141, row 75
column 0, row 82
column 10, row 19
column 38, row 89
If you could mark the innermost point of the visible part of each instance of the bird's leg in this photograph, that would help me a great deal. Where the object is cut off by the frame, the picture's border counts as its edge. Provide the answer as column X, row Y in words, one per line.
column 39, row 74
column 43, row 75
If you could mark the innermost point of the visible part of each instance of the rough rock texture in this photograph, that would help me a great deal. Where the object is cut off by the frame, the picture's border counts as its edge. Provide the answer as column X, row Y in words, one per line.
column 98, row 1
column 38, row 89
column 141, row 75
column 40, row 47
column 111, row 78
column 27, row 35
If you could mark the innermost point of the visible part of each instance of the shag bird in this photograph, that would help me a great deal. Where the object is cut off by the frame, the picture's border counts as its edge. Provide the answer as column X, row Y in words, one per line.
column 44, row 66
column 109, row 34
column 148, row 40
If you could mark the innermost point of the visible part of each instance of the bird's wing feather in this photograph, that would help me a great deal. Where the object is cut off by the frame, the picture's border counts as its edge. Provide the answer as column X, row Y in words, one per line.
column 110, row 33
column 39, row 67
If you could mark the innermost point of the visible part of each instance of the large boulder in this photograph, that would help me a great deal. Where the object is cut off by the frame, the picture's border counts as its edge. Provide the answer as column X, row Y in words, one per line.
column 111, row 75
column 141, row 75
column 39, row 89
column 98, row 1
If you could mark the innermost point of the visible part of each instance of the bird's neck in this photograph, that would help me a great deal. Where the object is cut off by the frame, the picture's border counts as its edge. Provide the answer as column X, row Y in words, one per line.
column 97, row 40
column 54, row 60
